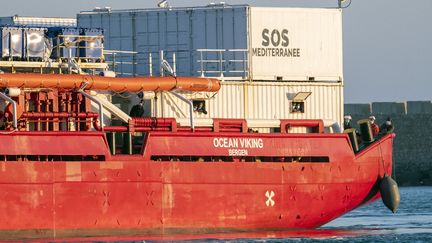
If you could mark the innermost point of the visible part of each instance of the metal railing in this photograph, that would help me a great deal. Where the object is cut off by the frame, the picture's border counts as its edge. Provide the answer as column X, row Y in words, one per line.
column 200, row 62
column 224, row 63
column 117, row 59
column 78, row 43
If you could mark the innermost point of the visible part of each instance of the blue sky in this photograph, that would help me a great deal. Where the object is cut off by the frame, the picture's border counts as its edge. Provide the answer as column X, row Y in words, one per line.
column 387, row 43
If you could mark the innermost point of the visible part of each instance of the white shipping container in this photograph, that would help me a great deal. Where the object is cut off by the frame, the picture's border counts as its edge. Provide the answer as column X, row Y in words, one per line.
column 38, row 21
column 178, row 30
column 263, row 100
column 254, row 43
column 296, row 43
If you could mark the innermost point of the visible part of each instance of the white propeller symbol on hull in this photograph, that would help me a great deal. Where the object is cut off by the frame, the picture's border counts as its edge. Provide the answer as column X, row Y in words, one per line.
column 270, row 201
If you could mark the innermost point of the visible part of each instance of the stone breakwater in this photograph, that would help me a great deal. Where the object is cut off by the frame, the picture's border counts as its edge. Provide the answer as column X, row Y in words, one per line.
column 412, row 154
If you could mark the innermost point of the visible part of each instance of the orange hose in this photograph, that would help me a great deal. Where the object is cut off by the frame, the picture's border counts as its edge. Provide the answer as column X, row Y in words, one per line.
column 123, row 84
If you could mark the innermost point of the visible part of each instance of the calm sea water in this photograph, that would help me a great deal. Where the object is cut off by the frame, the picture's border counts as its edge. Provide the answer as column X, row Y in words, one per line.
column 411, row 223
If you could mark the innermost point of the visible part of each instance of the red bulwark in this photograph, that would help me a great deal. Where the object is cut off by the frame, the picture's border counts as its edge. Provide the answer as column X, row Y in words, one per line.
column 53, row 143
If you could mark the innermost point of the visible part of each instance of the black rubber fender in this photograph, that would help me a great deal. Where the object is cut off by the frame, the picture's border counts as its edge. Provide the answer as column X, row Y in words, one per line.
column 390, row 193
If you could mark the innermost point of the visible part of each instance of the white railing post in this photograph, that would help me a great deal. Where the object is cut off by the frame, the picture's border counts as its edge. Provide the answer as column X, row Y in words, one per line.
column 161, row 58
column 202, row 64
column 174, row 64
column 244, row 65
column 150, row 64
column 221, row 63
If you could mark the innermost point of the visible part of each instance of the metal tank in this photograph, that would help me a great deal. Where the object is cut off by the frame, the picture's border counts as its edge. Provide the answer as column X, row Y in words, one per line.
column 12, row 43
column 34, row 44
column 226, row 41
column 62, row 37
column 92, row 48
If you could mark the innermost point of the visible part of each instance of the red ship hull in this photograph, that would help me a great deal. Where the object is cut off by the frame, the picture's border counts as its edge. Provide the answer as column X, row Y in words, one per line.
column 147, row 194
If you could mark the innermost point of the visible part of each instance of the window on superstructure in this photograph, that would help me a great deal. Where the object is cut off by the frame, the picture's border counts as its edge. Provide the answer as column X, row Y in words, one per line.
column 199, row 106
column 297, row 107
column 298, row 102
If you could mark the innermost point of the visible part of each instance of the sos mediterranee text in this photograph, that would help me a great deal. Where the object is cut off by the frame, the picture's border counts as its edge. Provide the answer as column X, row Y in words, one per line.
column 275, row 44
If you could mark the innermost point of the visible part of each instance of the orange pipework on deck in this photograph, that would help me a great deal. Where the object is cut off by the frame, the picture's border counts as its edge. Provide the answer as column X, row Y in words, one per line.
column 123, row 84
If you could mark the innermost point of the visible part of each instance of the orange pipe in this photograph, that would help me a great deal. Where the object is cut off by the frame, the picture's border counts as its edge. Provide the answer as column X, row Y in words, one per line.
column 131, row 84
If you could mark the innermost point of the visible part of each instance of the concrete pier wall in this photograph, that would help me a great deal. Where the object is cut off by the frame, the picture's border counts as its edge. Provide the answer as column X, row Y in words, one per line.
column 412, row 154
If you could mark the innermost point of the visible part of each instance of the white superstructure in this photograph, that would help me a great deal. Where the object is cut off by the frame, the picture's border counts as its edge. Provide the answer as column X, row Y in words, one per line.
column 275, row 63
